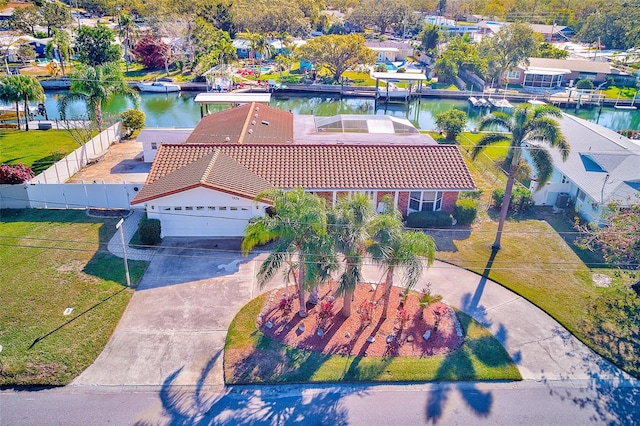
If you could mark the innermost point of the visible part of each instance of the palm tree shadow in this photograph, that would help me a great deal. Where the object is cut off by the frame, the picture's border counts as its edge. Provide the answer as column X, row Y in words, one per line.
column 182, row 405
column 471, row 303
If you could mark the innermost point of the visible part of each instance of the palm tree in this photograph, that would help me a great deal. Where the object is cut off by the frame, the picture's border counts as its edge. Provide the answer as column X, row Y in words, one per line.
column 95, row 85
column 299, row 225
column 126, row 29
column 60, row 46
column 349, row 225
column 394, row 248
column 259, row 45
column 527, row 124
column 25, row 88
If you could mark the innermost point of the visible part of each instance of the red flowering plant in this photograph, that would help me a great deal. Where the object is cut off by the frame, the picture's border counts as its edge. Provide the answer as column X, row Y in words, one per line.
column 365, row 311
column 439, row 312
column 286, row 305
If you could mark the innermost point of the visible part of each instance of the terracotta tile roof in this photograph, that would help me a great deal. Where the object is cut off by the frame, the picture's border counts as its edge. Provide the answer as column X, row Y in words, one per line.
column 250, row 123
column 213, row 169
column 374, row 167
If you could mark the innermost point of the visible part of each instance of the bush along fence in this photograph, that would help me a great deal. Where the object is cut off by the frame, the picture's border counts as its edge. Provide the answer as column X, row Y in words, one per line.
column 48, row 190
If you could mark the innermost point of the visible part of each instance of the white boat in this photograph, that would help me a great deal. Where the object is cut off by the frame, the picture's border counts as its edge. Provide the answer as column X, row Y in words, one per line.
column 500, row 103
column 159, row 86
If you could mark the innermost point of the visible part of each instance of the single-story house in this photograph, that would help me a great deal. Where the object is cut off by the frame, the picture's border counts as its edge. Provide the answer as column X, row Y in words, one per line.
column 390, row 51
column 602, row 167
column 547, row 72
column 207, row 185
column 554, row 32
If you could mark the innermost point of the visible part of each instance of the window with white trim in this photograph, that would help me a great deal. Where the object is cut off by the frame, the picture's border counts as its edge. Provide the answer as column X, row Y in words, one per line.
column 425, row 201
column 513, row 75
column 154, row 145
column 581, row 195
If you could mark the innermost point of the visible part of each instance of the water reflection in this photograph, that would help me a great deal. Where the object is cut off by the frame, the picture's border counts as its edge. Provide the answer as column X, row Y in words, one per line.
column 179, row 109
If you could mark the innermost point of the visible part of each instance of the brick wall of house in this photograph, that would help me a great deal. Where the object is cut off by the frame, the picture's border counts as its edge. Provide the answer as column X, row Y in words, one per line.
column 403, row 202
column 328, row 196
column 449, row 201
column 381, row 195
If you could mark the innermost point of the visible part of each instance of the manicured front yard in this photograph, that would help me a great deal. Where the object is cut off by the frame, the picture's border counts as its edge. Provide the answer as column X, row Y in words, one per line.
column 251, row 357
column 539, row 261
column 51, row 261
column 38, row 149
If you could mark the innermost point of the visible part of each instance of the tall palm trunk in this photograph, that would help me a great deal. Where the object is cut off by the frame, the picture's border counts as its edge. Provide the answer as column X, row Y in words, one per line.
column 26, row 114
column 64, row 74
column 347, row 297
column 303, row 303
column 388, row 284
column 18, row 114
column 506, row 200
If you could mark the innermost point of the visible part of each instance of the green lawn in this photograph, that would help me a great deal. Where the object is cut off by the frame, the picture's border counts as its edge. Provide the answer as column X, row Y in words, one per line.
column 53, row 260
column 259, row 359
column 620, row 92
column 38, row 149
column 539, row 261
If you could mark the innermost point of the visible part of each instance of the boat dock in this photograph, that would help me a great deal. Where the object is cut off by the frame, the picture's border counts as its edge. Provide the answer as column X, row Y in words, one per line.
column 575, row 98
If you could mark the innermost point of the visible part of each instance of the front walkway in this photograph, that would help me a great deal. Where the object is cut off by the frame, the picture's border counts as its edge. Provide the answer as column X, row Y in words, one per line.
column 129, row 227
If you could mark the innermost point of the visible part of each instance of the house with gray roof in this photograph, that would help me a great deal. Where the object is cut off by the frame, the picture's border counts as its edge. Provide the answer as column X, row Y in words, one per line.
column 548, row 72
column 603, row 167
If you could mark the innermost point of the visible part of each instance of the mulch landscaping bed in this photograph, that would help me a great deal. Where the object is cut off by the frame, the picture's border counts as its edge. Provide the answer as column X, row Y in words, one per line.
column 363, row 333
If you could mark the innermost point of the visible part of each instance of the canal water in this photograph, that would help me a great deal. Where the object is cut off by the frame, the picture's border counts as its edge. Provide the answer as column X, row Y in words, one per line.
column 179, row 109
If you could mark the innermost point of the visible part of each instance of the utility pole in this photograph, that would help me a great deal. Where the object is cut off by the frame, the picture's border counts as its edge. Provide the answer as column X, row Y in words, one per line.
column 124, row 251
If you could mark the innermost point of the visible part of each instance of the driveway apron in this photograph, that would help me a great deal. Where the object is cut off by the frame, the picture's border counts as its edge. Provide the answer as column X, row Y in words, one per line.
column 174, row 328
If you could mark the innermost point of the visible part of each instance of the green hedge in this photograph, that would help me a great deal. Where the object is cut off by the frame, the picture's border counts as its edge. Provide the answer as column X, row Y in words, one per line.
column 150, row 231
column 465, row 211
column 521, row 199
column 429, row 220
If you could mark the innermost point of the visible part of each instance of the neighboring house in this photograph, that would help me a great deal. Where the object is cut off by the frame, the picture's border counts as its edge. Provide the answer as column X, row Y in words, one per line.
column 390, row 51
column 243, row 48
column 547, row 72
column 602, row 167
column 554, row 32
column 207, row 185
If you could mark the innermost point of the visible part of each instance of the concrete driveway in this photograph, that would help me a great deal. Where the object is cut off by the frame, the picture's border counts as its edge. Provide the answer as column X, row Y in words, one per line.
column 173, row 331
column 174, row 328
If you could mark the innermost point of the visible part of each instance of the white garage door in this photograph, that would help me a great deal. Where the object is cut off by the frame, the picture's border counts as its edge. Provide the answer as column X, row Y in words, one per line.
column 212, row 221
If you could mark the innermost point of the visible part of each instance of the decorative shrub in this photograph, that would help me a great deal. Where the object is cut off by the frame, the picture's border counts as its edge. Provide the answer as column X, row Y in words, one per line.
column 521, row 199
column 465, row 211
column 584, row 84
column 439, row 312
column 286, row 305
column 15, row 174
column 149, row 230
column 426, row 298
column 365, row 312
column 429, row 220
column 325, row 312
column 132, row 120
column 401, row 70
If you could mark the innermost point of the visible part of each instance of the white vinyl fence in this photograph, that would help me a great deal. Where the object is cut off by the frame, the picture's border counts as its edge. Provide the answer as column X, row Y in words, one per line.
column 82, row 195
column 74, row 162
column 48, row 190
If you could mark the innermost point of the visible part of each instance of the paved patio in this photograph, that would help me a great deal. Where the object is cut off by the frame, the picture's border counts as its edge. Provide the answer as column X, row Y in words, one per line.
column 122, row 163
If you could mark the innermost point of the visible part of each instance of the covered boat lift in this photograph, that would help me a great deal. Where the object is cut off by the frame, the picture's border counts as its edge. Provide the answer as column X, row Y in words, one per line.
column 398, row 95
